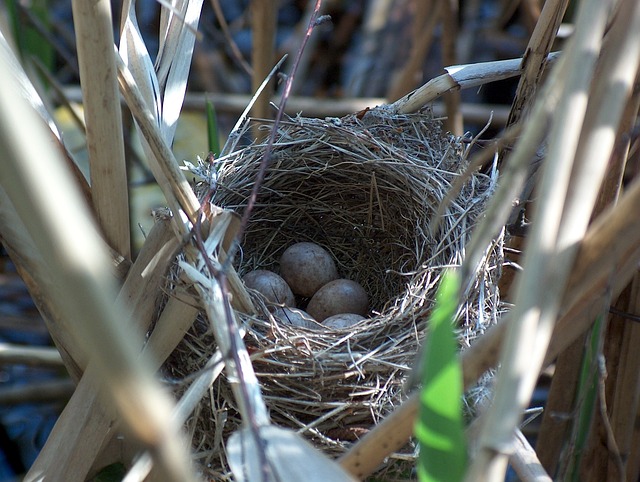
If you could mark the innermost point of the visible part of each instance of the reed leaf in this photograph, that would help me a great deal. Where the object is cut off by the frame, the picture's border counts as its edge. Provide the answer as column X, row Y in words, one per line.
column 440, row 426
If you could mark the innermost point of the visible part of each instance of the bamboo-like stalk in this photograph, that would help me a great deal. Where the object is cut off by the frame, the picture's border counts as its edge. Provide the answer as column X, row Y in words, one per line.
column 37, row 278
column 548, row 257
column 426, row 19
column 535, row 57
column 626, row 394
column 452, row 99
column 312, row 107
column 610, row 247
column 263, row 23
column 560, row 397
column 103, row 117
column 459, row 77
column 89, row 418
column 47, row 391
column 525, row 463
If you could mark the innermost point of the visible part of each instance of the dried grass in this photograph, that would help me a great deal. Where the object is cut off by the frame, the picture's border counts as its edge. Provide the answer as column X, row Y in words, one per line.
column 364, row 187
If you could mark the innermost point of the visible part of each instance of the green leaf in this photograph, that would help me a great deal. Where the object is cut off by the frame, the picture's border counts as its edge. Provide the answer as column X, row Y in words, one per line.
column 440, row 425
column 29, row 41
column 212, row 129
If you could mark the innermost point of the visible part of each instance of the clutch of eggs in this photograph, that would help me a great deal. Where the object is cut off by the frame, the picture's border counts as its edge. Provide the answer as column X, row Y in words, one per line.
column 308, row 270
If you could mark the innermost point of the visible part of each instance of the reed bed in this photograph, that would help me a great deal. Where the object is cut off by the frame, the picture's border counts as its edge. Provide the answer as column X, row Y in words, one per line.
column 394, row 198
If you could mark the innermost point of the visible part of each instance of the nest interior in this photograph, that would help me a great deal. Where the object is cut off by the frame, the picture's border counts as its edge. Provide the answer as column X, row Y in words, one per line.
column 365, row 187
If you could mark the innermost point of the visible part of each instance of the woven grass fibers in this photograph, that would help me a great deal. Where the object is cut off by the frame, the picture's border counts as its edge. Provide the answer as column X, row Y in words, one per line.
column 365, row 188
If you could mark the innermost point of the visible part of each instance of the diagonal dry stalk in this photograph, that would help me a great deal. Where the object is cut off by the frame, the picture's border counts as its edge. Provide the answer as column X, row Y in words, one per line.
column 610, row 92
column 535, row 57
column 559, row 224
column 57, row 220
column 459, row 77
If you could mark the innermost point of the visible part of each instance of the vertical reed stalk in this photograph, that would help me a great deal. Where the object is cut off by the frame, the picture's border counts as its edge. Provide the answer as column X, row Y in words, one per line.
column 103, row 117
column 263, row 23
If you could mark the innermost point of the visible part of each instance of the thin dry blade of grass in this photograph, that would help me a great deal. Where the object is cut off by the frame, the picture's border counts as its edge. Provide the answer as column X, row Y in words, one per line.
column 105, row 141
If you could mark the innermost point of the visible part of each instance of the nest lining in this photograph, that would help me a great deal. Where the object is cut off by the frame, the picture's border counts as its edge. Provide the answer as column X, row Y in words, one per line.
column 365, row 189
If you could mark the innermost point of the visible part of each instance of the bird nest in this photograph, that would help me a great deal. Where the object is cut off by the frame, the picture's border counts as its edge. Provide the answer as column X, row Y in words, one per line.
column 366, row 188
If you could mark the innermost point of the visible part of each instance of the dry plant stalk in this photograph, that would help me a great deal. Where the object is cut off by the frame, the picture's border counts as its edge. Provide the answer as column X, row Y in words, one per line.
column 609, row 95
column 549, row 254
column 459, row 77
column 263, row 23
column 88, row 420
column 52, row 209
column 452, row 99
column 30, row 355
column 425, row 21
column 103, row 117
column 535, row 57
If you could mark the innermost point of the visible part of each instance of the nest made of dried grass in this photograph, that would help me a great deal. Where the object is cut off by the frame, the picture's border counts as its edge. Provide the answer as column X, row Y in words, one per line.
column 365, row 187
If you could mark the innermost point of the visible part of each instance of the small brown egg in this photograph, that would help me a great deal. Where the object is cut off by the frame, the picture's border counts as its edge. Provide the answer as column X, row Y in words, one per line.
column 295, row 317
column 342, row 320
column 338, row 296
column 271, row 285
column 306, row 267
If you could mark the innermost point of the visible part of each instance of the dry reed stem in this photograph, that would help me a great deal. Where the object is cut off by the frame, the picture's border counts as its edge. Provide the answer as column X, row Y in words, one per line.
column 535, row 57
column 626, row 394
column 615, row 83
column 33, row 271
column 425, row 21
column 171, row 179
column 459, row 77
column 49, row 391
column 88, row 420
column 263, row 30
column 452, row 99
column 525, row 463
column 551, row 246
column 163, row 164
column 606, row 261
column 103, row 117
column 321, row 108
